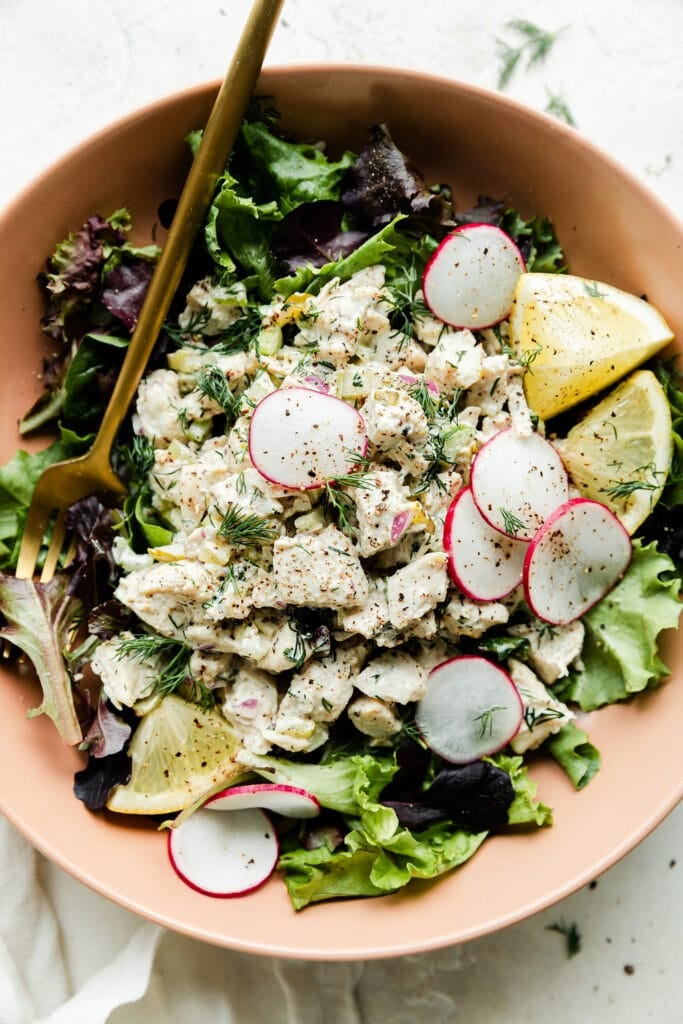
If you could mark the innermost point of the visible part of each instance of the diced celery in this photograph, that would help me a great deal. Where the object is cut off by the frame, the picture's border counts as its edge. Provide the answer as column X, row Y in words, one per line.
column 455, row 441
column 311, row 521
column 270, row 340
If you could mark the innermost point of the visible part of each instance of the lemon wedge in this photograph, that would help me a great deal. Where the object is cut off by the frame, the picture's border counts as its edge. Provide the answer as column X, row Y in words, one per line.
column 579, row 337
column 620, row 452
column 178, row 753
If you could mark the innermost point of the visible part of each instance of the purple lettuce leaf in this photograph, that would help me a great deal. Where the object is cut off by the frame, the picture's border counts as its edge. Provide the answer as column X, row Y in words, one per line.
column 382, row 184
column 94, row 572
column 72, row 277
column 94, row 783
column 40, row 619
column 124, row 290
column 108, row 733
column 313, row 235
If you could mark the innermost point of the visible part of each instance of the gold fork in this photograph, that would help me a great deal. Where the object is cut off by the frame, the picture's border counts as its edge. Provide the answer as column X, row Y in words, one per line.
column 63, row 483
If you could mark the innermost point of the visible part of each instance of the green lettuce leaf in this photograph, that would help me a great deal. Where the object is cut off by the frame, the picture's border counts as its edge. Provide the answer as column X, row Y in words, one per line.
column 379, row 855
column 291, row 172
column 268, row 178
column 334, row 782
column 573, row 750
column 537, row 240
column 238, row 232
column 620, row 649
column 525, row 809
column 18, row 479
column 89, row 379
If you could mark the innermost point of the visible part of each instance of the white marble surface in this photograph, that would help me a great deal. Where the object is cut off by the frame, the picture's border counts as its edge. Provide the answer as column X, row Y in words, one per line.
column 67, row 69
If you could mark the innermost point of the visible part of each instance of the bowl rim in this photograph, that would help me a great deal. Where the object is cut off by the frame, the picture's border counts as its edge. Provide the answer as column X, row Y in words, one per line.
column 277, row 71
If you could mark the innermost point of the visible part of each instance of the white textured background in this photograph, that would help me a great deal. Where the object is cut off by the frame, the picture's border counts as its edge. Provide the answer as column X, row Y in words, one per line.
column 69, row 68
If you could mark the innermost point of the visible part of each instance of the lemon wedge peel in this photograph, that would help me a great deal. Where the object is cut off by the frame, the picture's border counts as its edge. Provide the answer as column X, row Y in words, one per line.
column 578, row 337
column 620, row 452
column 179, row 753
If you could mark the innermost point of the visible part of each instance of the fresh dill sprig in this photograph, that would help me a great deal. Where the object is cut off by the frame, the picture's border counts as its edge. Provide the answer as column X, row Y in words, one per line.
column 424, row 397
column 511, row 523
column 571, row 934
column 524, row 359
column 242, row 334
column 592, row 288
column 212, row 382
column 534, row 45
column 139, row 455
column 406, row 306
column 557, row 106
column 485, row 720
column 196, row 322
column 311, row 637
column 245, row 528
column 238, row 336
column 625, row 488
column 622, row 489
column 171, row 659
column 339, row 505
column 534, row 717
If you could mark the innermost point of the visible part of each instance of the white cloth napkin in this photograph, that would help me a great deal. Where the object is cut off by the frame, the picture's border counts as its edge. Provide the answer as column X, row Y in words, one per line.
column 160, row 976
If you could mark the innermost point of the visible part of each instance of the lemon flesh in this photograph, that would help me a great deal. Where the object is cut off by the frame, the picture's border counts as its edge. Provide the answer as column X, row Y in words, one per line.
column 620, row 452
column 178, row 753
column 579, row 337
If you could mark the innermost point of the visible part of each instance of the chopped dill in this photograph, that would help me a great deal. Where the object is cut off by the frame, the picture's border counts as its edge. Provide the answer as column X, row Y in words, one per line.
column 593, row 290
column 533, row 717
column 485, row 720
column 423, row 396
column 625, row 488
column 212, row 382
column 511, row 523
column 524, row 359
column 171, row 659
column 311, row 637
column 571, row 934
column 195, row 324
column 339, row 505
column 139, row 455
column 245, row 528
column 238, row 336
column 406, row 306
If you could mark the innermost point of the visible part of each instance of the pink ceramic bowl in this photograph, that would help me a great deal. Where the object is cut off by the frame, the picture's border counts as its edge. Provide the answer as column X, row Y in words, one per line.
column 612, row 229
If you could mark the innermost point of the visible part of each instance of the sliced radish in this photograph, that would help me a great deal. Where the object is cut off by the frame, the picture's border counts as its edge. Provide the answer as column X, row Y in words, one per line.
column 470, row 280
column 517, row 482
column 484, row 563
column 290, row 801
column 224, row 854
column 300, row 437
column 576, row 558
column 471, row 708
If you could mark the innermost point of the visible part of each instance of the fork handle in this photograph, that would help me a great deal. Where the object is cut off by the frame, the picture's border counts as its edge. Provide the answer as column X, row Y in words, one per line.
column 217, row 142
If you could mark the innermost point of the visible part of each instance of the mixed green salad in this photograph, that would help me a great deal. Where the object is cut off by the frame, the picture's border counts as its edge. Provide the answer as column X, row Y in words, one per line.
column 265, row 610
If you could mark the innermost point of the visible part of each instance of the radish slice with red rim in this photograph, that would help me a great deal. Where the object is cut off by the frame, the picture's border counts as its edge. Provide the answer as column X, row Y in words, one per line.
column 471, row 709
column 224, row 854
column 484, row 563
column 470, row 279
column 574, row 560
column 300, row 437
column 517, row 482
column 289, row 801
